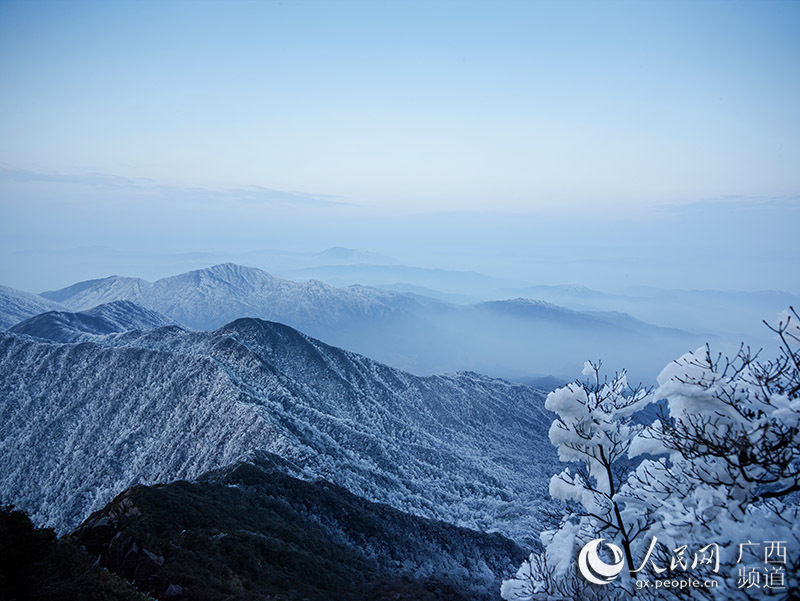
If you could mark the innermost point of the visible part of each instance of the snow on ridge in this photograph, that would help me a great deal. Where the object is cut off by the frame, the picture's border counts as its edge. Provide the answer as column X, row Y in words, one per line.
column 84, row 421
column 208, row 298
column 108, row 318
column 17, row 305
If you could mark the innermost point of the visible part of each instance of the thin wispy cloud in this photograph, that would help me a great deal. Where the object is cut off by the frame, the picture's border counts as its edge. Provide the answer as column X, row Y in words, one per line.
column 111, row 183
column 93, row 178
column 729, row 203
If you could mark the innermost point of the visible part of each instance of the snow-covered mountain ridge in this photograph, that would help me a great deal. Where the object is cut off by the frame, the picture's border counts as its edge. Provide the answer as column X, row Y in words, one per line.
column 81, row 422
column 205, row 299
column 508, row 338
column 16, row 305
column 116, row 316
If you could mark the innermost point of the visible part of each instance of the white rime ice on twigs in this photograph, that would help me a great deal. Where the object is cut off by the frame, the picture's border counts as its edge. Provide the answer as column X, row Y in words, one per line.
column 720, row 466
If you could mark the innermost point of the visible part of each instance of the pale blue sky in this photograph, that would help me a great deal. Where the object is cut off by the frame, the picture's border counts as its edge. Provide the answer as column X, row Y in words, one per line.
column 562, row 129
column 444, row 104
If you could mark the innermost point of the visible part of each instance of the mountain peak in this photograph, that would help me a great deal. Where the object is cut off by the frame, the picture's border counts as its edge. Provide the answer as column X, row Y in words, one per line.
column 17, row 305
column 108, row 318
column 227, row 272
column 229, row 268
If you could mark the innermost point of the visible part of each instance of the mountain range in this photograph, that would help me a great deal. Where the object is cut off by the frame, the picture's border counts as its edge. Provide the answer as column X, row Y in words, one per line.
column 82, row 421
column 189, row 437
column 728, row 314
column 17, row 305
column 208, row 298
column 66, row 326
column 408, row 330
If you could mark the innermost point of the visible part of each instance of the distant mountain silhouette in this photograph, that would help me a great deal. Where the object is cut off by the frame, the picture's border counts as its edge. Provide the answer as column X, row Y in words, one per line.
column 208, row 298
column 16, row 305
column 404, row 328
column 116, row 316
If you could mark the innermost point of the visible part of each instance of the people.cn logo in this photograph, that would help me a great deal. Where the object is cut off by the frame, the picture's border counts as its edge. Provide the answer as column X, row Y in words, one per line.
column 594, row 569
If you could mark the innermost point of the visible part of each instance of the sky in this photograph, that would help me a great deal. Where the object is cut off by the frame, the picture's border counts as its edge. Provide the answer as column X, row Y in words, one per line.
column 486, row 134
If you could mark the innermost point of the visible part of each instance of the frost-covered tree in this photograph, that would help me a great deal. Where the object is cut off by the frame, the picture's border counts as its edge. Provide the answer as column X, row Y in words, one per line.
column 742, row 415
column 731, row 474
column 719, row 470
column 593, row 433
